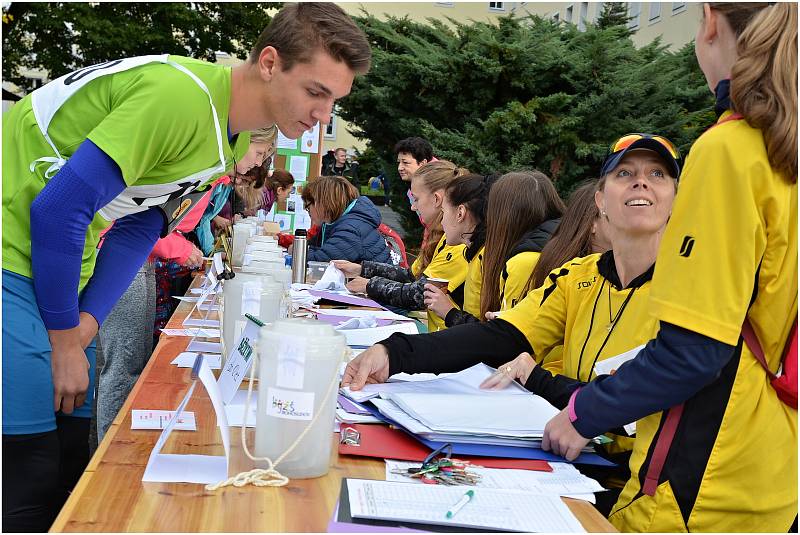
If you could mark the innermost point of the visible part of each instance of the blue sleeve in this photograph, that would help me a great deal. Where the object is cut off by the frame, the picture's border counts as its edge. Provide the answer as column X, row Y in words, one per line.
column 60, row 215
column 125, row 248
column 343, row 244
column 669, row 370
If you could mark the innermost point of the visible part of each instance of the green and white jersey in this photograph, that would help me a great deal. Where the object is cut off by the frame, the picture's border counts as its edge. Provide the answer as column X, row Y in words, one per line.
column 162, row 119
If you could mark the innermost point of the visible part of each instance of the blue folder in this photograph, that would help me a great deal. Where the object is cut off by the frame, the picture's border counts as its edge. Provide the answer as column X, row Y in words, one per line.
column 491, row 450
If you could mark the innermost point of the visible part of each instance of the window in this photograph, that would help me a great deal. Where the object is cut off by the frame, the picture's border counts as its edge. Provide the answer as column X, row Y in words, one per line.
column 330, row 128
column 634, row 9
column 555, row 17
column 584, row 16
column 568, row 15
column 497, row 6
column 444, row 4
column 655, row 12
column 678, row 7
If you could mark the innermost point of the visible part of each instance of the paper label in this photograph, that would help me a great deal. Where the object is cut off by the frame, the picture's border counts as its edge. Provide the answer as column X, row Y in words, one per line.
column 238, row 363
column 289, row 404
column 251, row 298
column 144, row 419
column 291, row 362
column 218, row 265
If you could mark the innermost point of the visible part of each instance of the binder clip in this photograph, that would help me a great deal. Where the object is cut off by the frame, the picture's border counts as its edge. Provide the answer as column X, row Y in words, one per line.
column 350, row 437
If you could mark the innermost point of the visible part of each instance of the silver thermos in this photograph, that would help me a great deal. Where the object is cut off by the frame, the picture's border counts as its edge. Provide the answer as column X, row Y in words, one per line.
column 299, row 250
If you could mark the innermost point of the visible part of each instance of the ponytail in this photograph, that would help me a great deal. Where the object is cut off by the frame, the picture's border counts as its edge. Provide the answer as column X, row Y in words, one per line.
column 764, row 77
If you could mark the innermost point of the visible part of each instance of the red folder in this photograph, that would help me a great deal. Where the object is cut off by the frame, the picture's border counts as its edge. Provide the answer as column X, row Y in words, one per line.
column 388, row 443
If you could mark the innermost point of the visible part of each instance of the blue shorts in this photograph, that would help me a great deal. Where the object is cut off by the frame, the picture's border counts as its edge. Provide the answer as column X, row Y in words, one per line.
column 27, row 376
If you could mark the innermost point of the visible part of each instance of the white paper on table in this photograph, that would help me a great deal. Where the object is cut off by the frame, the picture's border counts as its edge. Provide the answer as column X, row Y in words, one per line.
column 234, row 409
column 464, row 382
column 350, row 418
column 284, row 142
column 377, row 314
column 368, row 322
column 186, row 360
column 368, row 337
column 297, row 167
column 199, row 291
column 500, row 509
column 206, row 332
column 559, row 482
column 175, row 468
column 310, row 140
column 219, row 266
column 187, row 298
column 207, row 306
column 145, row 419
column 609, row 367
column 199, row 322
column 205, row 347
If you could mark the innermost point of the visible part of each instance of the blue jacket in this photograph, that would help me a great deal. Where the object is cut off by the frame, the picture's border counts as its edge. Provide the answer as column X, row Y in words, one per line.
column 354, row 236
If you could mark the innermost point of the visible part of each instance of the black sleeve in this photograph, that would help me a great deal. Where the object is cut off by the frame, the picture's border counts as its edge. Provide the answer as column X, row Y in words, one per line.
column 371, row 269
column 409, row 295
column 494, row 342
column 459, row 317
column 555, row 389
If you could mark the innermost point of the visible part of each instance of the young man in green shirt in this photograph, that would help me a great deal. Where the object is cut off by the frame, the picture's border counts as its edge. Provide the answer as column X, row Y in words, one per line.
column 113, row 142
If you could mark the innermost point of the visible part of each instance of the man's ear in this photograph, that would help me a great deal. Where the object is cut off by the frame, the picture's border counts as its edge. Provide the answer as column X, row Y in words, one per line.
column 268, row 61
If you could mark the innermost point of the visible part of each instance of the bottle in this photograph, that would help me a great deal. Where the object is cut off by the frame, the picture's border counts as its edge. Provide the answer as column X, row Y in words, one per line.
column 298, row 375
column 299, row 256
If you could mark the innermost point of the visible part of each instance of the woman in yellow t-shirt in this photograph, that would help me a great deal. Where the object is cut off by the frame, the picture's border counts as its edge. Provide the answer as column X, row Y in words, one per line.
column 716, row 449
column 395, row 286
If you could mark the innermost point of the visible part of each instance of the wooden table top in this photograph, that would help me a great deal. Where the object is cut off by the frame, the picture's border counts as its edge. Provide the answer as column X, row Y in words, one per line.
column 111, row 496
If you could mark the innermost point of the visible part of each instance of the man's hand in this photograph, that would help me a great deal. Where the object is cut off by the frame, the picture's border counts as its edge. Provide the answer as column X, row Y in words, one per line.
column 70, row 368
column 561, row 438
column 350, row 269
column 371, row 366
column 518, row 369
column 358, row 285
column 437, row 301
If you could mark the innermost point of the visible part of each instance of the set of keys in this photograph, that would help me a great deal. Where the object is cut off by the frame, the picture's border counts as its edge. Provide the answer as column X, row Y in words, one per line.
column 439, row 468
column 443, row 472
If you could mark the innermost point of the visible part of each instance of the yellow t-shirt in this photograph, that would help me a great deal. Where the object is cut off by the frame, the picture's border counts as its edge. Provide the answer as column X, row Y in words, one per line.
column 734, row 222
column 514, row 278
column 448, row 262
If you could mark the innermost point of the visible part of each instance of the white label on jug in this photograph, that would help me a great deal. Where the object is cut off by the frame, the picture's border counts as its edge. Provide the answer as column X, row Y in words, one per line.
column 251, row 298
column 289, row 404
column 291, row 362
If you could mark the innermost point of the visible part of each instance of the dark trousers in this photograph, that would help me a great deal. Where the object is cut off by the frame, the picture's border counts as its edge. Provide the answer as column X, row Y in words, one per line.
column 39, row 472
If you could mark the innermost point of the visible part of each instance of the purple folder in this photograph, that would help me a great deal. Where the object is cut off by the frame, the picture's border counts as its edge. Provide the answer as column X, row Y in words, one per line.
column 346, row 299
column 338, row 320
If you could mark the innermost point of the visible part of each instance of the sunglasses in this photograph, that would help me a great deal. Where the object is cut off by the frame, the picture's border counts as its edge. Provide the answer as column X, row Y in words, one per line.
column 628, row 139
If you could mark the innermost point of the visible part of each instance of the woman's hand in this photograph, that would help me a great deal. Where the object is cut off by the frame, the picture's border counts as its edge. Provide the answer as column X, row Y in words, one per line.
column 437, row 301
column 492, row 315
column 370, row 366
column 350, row 269
column 358, row 285
column 221, row 222
column 518, row 369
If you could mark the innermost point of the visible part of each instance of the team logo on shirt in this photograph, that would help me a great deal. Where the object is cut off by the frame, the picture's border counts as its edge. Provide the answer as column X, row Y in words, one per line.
column 686, row 246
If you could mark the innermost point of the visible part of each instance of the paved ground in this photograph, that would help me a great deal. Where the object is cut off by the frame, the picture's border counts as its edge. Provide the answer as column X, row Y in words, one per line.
column 391, row 219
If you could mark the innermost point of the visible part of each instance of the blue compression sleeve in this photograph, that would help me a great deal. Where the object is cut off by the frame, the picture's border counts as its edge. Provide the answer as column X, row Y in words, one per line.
column 668, row 371
column 60, row 215
column 125, row 249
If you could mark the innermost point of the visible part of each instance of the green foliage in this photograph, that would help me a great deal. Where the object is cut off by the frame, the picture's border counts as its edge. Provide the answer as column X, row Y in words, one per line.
column 525, row 93
column 614, row 14
column 63, row 36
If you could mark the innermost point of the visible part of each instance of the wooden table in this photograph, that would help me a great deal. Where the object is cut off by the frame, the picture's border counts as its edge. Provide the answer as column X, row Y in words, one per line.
column 111, row 497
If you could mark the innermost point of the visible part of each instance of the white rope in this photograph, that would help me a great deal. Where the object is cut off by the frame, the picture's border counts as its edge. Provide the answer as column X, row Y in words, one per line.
column 268, row 477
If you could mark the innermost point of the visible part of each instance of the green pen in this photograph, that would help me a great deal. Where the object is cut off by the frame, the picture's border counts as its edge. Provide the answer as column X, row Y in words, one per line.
column 460, row 503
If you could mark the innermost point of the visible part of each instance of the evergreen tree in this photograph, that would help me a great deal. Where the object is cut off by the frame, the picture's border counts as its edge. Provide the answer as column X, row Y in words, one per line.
column 524, row 93
column 60, row 37
column 614, row 14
